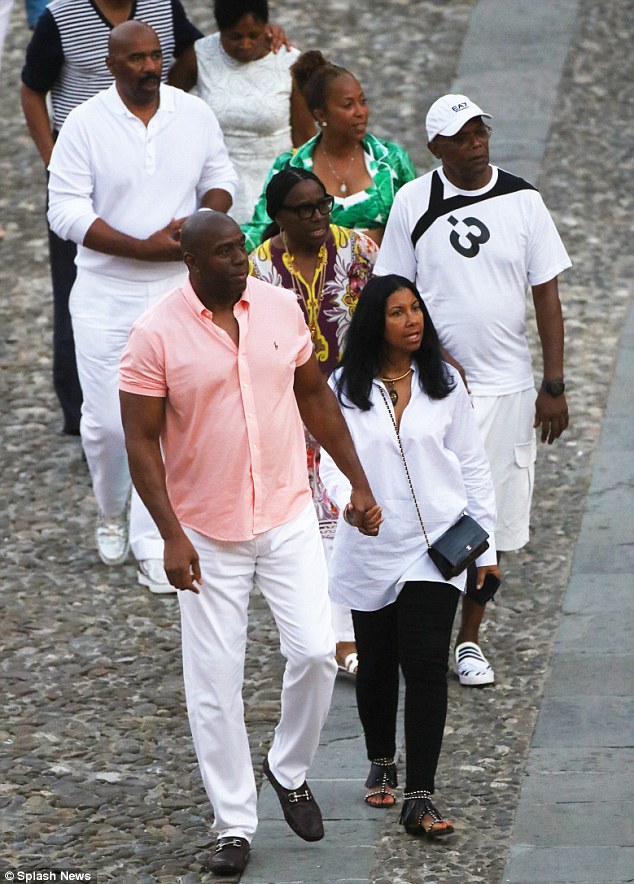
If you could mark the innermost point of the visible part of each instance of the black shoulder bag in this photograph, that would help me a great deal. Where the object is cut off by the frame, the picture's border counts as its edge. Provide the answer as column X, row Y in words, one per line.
column 461, row 544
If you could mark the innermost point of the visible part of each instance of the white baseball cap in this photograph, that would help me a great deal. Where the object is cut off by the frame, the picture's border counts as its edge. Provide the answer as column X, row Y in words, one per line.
column 448, row 114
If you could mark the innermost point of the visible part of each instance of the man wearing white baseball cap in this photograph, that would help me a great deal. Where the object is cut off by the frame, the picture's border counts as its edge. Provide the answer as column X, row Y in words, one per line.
column 473, row 237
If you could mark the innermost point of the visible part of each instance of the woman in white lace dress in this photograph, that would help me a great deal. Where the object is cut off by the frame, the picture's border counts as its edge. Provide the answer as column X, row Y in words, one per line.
column 250, row 89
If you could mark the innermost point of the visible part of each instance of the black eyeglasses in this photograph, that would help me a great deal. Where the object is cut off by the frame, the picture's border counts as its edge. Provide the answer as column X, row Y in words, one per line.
column 304, row 211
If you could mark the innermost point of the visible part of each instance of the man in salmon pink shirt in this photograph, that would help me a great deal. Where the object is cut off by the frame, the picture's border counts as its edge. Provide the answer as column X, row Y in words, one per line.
column 215, row 382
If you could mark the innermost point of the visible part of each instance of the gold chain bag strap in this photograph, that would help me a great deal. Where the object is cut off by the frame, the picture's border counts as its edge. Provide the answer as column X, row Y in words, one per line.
column 461, row 544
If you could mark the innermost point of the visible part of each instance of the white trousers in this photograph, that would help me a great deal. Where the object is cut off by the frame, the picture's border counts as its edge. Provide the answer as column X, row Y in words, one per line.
column 287, row 564
column 341, row 616
column 506, row 428
column 102, row 310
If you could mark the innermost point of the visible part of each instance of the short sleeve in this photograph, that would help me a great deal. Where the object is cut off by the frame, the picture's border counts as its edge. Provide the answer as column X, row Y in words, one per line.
column 396, row 254
column 547, row 255
column 403, row 166
column 142, row 365
column 367, row 247
column 305, row 344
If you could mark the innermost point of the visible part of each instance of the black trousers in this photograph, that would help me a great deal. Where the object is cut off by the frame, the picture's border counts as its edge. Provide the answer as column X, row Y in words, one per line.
column 414, row 633
column 65, row 378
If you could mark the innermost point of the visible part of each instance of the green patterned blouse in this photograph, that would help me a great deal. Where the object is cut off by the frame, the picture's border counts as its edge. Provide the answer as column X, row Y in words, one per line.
column 389, row 165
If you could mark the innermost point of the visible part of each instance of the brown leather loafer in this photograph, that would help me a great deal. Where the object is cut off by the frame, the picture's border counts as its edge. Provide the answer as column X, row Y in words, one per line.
column 300, row 809
column 230, row 856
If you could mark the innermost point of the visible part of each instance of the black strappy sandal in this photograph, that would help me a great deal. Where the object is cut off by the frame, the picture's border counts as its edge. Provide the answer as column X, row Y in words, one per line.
column 382, row 774
column 418, row 805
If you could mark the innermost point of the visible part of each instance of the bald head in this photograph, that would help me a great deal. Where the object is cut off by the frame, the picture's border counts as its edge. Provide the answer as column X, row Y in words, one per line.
column 213, row 249
column 201, row 230
column 126, row 34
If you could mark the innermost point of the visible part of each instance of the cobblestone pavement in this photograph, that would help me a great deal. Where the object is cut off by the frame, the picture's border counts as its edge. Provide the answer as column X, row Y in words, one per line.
column 97, row 770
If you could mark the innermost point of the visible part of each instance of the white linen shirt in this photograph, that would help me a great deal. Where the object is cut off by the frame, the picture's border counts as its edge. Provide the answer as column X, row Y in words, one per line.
column 450, row 473
column 107, row 164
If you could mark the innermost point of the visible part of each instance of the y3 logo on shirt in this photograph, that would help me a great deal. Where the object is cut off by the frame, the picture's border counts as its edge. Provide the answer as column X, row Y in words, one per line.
column 462, row 231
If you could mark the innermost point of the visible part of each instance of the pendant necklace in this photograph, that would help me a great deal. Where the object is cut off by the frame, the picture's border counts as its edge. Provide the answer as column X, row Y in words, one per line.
column 343, row 187
column 392, row 389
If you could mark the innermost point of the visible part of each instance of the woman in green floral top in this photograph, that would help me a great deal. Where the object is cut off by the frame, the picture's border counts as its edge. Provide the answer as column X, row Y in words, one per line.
column 361, row 171
column 326, row 266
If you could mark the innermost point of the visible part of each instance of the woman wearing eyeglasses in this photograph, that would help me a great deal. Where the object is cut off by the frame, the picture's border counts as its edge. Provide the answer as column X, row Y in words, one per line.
column 326, row 266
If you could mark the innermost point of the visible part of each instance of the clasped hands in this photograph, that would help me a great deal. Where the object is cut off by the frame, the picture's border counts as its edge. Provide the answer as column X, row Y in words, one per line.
column 364, row 513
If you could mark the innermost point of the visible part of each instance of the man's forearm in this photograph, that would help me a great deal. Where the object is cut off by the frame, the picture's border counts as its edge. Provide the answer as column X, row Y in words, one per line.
column 550, row 327
column 148, row 476
column 38, row 121
column 323, row 419
column 142, row 418
column 322, row 416
column 161, row 246
column 217, row 199
column 183, row 73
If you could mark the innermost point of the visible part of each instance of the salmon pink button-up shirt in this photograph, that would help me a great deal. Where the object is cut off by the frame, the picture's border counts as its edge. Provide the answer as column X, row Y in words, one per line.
column 233, row 442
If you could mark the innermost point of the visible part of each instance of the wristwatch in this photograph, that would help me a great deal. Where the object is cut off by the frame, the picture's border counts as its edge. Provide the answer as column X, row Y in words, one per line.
column 554, row 388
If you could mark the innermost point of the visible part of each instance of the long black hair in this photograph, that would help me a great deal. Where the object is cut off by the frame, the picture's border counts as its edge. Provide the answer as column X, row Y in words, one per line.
column 279, row 188
column 365, row 342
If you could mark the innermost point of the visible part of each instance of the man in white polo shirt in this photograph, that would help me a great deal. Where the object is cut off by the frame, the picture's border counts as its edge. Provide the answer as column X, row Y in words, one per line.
column 128, row 165
column 473, row 237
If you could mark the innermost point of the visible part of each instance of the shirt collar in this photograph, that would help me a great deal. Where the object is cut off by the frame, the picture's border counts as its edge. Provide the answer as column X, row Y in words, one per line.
column 116, row 105
column 197, row 305
column 303, row 156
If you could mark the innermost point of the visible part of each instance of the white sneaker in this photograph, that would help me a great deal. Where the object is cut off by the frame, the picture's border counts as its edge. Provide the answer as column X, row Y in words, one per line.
column 152, row 574
column 112, row 539
column 472, row 667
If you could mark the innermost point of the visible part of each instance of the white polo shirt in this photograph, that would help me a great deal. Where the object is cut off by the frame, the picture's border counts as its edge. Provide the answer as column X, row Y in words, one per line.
column 107, row 164
column 474, row 254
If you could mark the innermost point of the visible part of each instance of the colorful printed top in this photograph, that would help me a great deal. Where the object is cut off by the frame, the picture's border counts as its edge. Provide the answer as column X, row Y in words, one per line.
column 344, row 266
column 388, row 164
column 328, row 300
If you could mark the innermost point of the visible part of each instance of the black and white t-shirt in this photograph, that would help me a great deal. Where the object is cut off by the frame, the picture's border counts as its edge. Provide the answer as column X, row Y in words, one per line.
column 472, row 254
column 66, row 55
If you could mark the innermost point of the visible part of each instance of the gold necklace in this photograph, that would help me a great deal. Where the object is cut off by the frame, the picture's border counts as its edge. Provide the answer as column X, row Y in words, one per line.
column 312, row 302
column 391, row 381
column 343, row 187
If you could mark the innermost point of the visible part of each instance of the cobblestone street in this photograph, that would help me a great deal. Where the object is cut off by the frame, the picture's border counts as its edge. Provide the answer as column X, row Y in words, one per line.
column 97, row 768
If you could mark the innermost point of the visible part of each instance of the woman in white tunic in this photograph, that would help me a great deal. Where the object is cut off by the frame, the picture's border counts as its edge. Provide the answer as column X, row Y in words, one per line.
column 391, row 376
column 250, row 89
